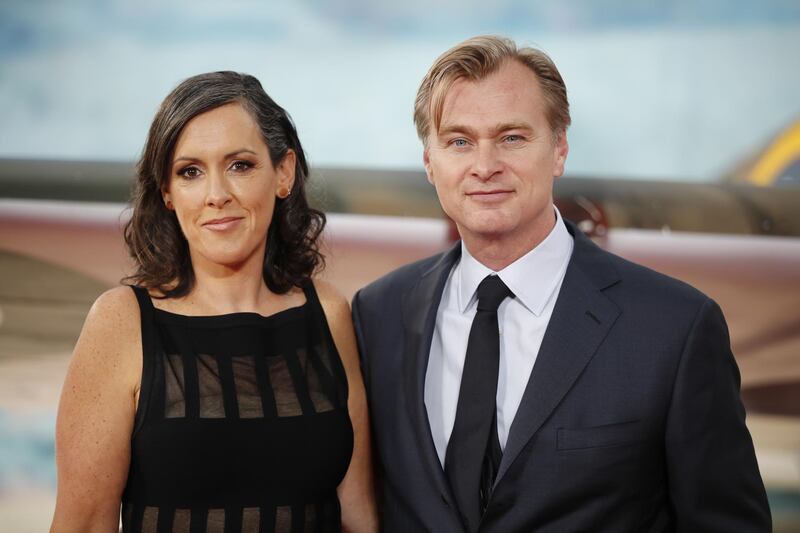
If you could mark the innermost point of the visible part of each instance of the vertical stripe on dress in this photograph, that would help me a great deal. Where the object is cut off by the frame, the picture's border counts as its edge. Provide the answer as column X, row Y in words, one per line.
column 299, row 381
column 265, row 386
column 267, row 519
column 298, row 518
column 199, row 519
column 233, row 519
column 165, row 518
column 228, row 386
column 191, row 392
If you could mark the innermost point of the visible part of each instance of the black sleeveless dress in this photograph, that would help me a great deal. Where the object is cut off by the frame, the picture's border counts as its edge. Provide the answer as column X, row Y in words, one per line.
column 242, row 424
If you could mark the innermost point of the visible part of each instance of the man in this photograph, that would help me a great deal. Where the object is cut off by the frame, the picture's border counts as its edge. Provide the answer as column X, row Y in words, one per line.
column 526, row 380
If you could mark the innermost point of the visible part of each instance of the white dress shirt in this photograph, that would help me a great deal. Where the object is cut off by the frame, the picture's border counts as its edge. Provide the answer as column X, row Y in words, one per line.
column 535, row 279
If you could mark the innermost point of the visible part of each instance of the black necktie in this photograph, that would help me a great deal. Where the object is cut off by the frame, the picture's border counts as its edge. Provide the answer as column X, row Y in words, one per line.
column 473, row 452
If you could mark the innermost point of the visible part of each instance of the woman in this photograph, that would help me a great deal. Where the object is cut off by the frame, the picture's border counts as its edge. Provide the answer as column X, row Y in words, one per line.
column 220, row 392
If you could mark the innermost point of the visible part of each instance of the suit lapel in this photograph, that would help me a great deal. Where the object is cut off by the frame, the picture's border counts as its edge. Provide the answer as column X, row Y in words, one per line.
column 580, row 321
column 420, row 306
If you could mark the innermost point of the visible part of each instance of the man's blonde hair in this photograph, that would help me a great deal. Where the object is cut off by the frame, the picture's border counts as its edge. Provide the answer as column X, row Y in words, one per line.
column 476, row 59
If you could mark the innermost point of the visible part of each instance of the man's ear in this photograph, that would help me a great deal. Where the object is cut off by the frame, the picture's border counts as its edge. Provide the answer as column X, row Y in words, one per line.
column 560, row 151
column 426, row 162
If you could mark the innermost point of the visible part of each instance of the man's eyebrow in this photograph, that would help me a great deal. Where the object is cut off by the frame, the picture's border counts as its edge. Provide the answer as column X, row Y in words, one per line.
column 448, row 129
column 513, row 126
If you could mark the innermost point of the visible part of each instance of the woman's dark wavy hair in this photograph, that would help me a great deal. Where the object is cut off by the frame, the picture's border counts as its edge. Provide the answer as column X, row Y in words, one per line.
column 153, row 236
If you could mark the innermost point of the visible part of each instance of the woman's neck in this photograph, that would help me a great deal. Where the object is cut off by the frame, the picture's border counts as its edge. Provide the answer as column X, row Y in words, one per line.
column 223, row 289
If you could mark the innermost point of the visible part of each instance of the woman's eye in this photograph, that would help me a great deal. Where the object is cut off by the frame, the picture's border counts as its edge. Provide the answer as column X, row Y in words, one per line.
column 241, row 165
column 189, row 172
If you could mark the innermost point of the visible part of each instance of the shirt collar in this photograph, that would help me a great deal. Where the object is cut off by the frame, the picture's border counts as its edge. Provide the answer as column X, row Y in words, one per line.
column 546, row 264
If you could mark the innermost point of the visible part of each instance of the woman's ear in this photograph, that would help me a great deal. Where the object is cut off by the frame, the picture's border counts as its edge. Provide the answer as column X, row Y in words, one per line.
column 286, row 174
column 167, row 199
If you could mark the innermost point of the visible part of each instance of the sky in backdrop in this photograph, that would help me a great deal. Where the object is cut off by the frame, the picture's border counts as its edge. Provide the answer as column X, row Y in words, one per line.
column 673, row 89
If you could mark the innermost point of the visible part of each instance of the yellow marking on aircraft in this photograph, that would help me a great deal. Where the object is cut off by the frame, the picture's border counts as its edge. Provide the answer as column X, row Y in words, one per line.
column 778, row 156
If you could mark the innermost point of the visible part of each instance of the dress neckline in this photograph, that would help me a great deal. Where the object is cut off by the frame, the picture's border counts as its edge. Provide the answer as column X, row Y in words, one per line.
column 239, row 317
column 230, row 319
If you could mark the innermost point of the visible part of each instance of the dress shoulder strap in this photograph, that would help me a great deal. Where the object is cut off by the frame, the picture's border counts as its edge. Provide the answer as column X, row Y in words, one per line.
column 149, row 347
column 318, row 313
column 143, row 297
column 311, row 295
column 325, row 336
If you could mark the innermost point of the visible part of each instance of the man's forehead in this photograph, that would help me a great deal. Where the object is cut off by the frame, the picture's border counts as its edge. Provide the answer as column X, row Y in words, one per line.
column 511, row 75
column 497, row 108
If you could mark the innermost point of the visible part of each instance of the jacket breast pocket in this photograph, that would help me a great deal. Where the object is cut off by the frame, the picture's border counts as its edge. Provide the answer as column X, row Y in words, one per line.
column 606, row 436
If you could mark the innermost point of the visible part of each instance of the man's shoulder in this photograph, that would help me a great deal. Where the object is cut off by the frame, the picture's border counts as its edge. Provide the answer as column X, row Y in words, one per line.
column 624, row 277
column 645, row 283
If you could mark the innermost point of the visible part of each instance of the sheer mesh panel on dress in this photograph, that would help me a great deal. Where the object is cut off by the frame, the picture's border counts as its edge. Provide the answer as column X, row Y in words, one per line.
column 209, row 387
column 150, row 519
column 297, row 385
column 248, row 392
column 286, row 401
column 174, row 397
column 324, row 357
column 310, row 517
column 283, row 519
column 320, row 396
column 251, row 519
column 215, row 523
column 208, row 521
column 181, row 521
column 297, row 368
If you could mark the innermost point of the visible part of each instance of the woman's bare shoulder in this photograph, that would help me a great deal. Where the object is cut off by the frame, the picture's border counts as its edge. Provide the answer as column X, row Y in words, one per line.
column 111, row 335
column 332, row 299
column 340, row 322
column 114, row 302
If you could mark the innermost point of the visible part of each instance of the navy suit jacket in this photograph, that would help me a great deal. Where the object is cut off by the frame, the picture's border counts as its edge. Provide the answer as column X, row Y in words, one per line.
column 631, row 419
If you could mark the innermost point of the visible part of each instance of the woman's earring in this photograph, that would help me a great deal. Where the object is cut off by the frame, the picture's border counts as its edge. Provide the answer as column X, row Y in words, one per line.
column 283, row 192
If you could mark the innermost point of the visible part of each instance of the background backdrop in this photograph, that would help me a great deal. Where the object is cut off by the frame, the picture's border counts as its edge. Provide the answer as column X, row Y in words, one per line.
column 659, row 89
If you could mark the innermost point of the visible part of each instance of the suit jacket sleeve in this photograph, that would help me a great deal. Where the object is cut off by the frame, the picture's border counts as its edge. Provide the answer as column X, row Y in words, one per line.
column 713, row 477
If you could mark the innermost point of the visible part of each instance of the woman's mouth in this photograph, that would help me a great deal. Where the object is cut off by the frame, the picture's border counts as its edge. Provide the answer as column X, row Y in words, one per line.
column 222, row 224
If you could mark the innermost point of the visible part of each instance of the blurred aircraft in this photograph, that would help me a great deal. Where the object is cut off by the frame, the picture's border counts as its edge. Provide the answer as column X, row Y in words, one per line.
column 776, row 164
column 739, row 243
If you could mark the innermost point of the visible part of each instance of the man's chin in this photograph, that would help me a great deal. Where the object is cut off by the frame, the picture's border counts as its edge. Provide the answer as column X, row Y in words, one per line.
column 488, row 228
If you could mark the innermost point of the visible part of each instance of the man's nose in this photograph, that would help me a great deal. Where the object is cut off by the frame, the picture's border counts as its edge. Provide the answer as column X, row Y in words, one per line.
column 487, row 161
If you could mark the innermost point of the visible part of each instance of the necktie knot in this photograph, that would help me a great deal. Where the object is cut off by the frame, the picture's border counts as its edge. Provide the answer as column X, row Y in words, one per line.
column 491, row 293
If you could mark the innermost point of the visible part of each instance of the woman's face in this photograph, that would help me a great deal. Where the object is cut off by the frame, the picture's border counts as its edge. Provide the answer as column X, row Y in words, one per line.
column 222, row 187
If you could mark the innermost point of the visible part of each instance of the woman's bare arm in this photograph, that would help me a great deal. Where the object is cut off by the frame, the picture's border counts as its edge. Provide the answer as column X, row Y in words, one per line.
column 356, row 491
column 95, row 416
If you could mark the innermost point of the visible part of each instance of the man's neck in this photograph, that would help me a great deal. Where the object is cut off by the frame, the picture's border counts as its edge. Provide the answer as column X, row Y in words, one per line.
column 497, row 252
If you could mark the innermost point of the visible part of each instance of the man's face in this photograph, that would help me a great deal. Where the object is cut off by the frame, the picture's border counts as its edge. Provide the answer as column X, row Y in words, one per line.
column 494, row 158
